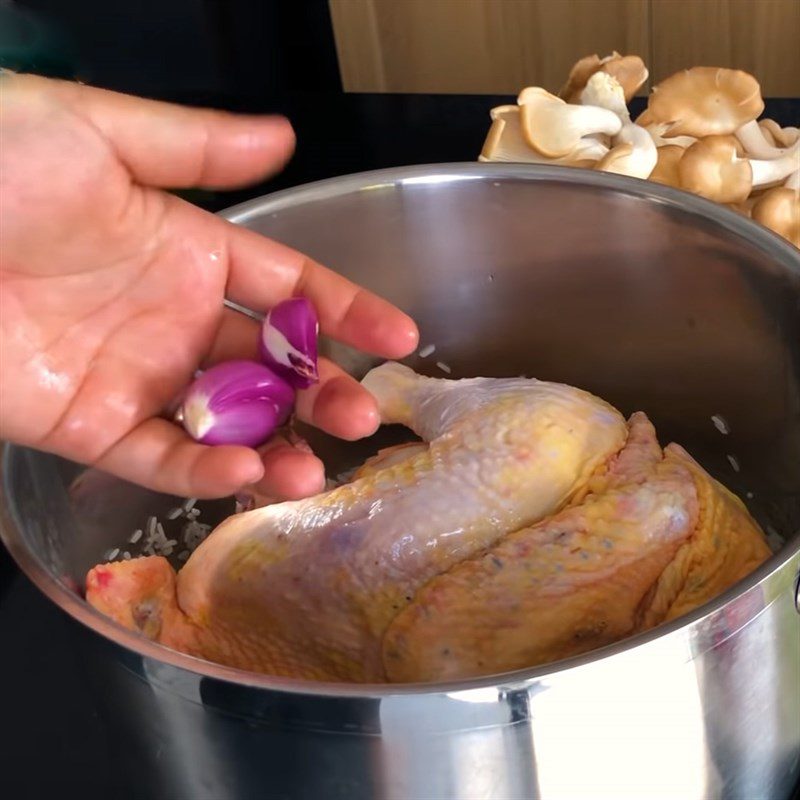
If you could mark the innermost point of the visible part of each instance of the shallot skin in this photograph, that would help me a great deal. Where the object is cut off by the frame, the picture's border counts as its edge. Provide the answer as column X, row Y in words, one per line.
column 236, row 402
column 288, row 342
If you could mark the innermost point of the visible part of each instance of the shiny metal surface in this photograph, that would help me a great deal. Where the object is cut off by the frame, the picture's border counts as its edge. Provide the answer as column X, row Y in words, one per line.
column 651, row 298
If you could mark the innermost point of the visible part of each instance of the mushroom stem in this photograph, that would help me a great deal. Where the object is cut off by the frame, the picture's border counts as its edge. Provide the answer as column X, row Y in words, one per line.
column 755, row 143
column 553, row 128
column 605, row 91
column 634, row 152
column 775, row 170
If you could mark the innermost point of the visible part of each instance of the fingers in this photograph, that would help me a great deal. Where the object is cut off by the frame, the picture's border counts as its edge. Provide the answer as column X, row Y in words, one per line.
column 160, row 456
column 172, row 146
column 290, row 473
column 263, row 272
column 338, row 404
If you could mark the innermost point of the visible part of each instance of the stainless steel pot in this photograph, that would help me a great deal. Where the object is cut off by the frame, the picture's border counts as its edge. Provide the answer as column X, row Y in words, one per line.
column 651, row 298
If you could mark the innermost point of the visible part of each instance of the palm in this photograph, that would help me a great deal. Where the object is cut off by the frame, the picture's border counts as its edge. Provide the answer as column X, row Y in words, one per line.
column 112, row 292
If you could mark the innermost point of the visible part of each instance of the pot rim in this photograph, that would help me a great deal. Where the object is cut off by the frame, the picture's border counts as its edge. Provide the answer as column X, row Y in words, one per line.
column 77, row 608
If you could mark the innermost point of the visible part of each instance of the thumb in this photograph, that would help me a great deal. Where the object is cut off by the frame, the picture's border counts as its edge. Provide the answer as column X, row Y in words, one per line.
column 171, row 146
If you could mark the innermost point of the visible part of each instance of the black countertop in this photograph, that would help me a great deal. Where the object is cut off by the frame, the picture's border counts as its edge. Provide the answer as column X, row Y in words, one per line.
column 52, row 738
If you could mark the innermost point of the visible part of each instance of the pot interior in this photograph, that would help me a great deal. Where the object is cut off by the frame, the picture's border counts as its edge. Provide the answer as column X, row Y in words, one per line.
column 650, row 298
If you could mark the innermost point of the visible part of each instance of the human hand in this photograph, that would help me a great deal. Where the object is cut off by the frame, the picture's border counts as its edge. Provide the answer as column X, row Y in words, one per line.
column 111, row 289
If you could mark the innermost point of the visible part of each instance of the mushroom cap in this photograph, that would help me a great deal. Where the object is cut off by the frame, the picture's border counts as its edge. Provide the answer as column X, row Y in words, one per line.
column 768, row 127
column 630, row 71
column 616, row 159
column 666, row 168
column 740, row 208
column 705, row 101
column 781, row 137
column 555, row 128
column 579, row 76
column 779, row 210
column 505, row 142
column 712, row 168
column 745, row 208
column 657, row 131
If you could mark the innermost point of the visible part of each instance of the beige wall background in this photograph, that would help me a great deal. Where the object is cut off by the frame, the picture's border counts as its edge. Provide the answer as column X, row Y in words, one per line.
column 500, row 46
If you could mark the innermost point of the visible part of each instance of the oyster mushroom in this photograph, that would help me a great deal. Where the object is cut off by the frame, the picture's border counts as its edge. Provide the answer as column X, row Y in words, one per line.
column 633, row 152
column 767, row 133
column 779, row 210
column 630, row 71
column 704, row 101
column 505, row 142
column 666, row 168
column 781, row 137
column 657, row 131
column 745, row 208
column 755, row 143
column 605, row 91
column 555, row 128
column 714, row 168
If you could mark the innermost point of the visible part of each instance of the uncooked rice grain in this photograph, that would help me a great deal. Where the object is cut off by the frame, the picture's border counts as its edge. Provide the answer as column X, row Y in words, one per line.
column 346, row 476
column 136, row 535
column 734, row 463
column 774, row 539
column 194, row 533
column 428, row 350
column 189, row 504
column 444, row 367
column 112, row 554
column 721, row 424
column 174, row 513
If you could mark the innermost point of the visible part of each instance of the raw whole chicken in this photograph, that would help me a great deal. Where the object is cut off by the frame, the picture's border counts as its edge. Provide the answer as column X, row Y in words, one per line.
column 532, row 523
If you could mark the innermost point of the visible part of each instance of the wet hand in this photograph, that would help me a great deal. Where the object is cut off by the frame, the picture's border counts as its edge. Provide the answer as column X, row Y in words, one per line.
column 111, row 289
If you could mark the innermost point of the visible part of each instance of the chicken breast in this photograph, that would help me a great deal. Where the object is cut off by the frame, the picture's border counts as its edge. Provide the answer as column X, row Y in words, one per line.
column 532, row 523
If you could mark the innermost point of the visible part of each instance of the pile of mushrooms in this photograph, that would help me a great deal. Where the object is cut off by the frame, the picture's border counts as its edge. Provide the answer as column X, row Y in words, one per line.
column 700, row 132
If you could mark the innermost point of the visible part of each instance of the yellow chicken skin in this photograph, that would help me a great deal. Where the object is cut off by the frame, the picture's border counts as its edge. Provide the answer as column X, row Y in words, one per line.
column 531, row 524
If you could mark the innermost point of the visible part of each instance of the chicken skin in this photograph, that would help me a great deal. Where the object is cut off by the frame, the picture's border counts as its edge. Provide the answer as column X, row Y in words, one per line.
column 532, row 523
